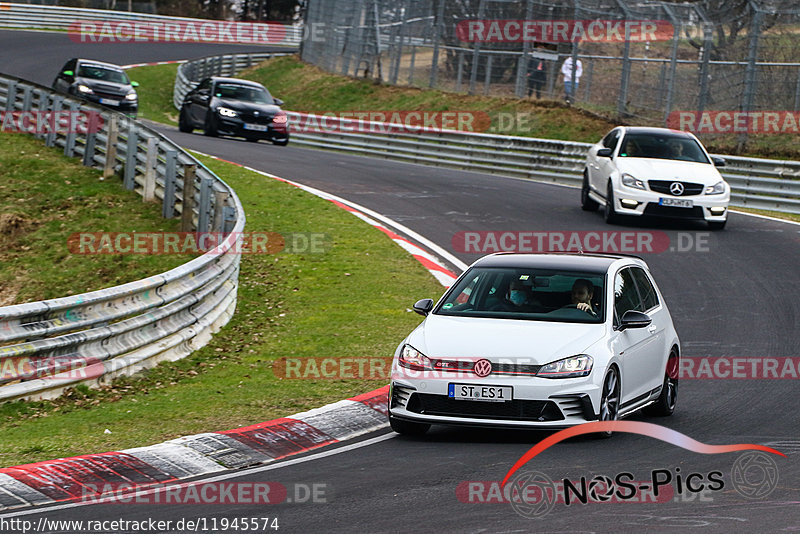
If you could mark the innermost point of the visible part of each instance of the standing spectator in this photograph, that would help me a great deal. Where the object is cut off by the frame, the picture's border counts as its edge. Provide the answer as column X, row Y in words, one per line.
column 572, row 75
column 537, row 76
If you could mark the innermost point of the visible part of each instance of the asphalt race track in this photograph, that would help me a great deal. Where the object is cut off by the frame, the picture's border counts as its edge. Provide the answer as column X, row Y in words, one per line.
column 736, row 295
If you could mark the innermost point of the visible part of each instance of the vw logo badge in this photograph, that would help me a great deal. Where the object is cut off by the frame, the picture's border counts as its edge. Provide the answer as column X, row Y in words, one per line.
column 482, row 368
column 676, row 188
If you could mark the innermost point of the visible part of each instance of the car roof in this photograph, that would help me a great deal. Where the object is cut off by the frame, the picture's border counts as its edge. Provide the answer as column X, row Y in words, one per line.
column 99, row 64
column 237, row 81
column 657, row 131
column 587, row 262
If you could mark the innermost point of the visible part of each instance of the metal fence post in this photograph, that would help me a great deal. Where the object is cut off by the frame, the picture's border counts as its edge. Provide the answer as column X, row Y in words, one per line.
column 205, row 204
column 69, row 144
column 111, row 146
column 704, row 62
column 131, row 145
column 750, row 74
column 487, row 79
column 91, row 139
column 149, row 192
column 522, row 82
column 11, row 95
column 476, row 53
column 187, row 202
column 437, row 37
column 673, row 62
column 220, row 198
column 50, row 138
column 170, row 168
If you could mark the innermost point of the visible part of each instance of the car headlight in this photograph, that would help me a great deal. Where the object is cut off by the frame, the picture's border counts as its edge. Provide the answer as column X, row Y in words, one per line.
column 131, row 96
column 84, row 89
column 631, row 181
column 411, row 358
column 716, row 189
column 226, row 112
column 572, row 367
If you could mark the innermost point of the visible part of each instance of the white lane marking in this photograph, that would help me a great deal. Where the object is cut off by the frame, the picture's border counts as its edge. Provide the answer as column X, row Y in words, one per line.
column 764, row 217
column 374, row 214
column 226, row 476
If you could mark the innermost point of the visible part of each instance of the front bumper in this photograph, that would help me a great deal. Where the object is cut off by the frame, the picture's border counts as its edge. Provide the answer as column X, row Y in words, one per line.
column 537, row 402
column 252, row 130
column 129, row 107
column 705, row 207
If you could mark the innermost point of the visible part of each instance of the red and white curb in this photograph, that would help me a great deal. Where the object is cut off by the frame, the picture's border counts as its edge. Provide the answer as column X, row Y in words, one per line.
column 84, row 477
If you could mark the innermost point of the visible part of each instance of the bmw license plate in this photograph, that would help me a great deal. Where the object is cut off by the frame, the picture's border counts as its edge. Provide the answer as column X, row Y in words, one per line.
column 676, row 202
column 255, row 127
column 109, row 102
column 480, row 393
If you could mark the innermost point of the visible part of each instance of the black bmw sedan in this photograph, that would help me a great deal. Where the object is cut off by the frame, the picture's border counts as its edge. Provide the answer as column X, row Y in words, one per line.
column 231, row 106
column 98, row 82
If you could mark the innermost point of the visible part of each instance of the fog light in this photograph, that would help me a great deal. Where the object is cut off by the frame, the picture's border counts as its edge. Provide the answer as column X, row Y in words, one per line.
column 628, row 203
column 716, row 211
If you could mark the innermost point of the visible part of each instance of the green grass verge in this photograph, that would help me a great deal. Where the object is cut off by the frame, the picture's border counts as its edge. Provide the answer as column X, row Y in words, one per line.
column 350, row 301
column 155, row 92
column 44, row 198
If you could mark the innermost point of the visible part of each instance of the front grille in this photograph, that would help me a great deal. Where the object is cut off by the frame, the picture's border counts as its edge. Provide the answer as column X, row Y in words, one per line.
column 249, row 116
column 400, row 396
column 655, row 210
column 497, row 368
column 662, row 186
column 516, row 410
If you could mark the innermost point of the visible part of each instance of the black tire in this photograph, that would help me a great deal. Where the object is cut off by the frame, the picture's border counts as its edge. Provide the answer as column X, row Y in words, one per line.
column 408, row 428
column 210, row 128
column 609, row 400
column 609, row 213
column 183, row 122
column 717, row 225
column 587, row 204
column 665, row 405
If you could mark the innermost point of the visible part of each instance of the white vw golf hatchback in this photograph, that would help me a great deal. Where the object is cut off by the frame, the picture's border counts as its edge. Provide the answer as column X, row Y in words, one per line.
column 655, row 172
column 538, row 341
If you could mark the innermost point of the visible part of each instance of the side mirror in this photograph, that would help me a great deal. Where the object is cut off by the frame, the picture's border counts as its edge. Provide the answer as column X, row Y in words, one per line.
column 634, row 319
column 423, row 307
column 278, row 101
column 604, row 153
column 718, row 161
column 134, row 84
column 68, row 73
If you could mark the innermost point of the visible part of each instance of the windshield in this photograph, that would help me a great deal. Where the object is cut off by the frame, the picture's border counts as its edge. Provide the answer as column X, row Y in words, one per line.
column 527, row 294
column 101, row 73
column 243, row 93
column 662, row 146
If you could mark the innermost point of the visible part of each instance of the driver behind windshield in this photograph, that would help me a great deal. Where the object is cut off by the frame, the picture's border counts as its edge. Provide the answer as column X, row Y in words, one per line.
column 582, row 293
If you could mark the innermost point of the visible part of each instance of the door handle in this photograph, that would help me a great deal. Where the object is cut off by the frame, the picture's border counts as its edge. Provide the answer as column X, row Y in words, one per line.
column 651, row 329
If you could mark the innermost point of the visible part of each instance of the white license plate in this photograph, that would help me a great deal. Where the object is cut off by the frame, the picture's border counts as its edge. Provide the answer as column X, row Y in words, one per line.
column 255, row 127
column 109, row 102
column 480, row 393
column 676, row 202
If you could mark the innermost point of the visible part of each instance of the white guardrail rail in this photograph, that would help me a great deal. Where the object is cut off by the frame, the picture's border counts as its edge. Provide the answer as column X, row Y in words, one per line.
column 755, row 183
column 65, row 18
column 91, row 338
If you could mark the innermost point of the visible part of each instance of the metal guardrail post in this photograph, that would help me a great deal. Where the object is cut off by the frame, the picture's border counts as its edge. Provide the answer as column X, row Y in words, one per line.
column 27, row 98
column 205, row 204
column 111, row 146
column 69, row 144
column 50, row 138
column 129, row 180
column 220, row 198
column 187, row 204
column 149, row 192
column 91, row 139
column 11, row 96
column 168, row 203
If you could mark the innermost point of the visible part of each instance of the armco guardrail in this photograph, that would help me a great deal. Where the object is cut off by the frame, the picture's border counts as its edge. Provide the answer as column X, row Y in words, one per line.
column 50, row 345
column 62, row 18
column 755, row 183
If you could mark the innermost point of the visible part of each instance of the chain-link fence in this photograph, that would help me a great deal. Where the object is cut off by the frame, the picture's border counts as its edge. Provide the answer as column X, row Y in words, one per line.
column 643, row 60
